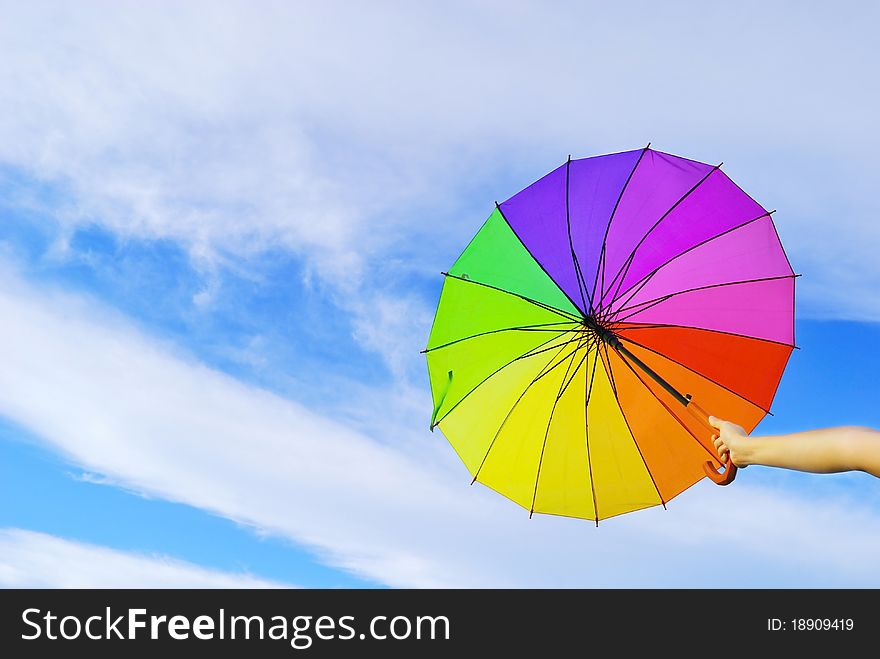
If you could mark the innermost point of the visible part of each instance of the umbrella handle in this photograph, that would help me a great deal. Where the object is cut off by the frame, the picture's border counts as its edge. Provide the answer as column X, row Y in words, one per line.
column 718, row 477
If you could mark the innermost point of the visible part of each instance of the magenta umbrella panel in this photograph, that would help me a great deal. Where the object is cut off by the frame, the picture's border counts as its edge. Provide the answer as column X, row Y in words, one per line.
column 647, row 237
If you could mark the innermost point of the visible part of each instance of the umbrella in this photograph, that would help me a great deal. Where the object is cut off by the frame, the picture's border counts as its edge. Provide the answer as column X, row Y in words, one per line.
column 595, row 318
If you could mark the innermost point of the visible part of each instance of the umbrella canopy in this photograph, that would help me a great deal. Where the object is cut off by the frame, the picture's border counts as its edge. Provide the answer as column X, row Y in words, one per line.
column 593, row 317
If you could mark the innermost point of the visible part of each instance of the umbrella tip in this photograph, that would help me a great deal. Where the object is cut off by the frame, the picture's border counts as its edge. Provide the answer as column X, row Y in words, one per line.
column 648, row 147
column 531, row 512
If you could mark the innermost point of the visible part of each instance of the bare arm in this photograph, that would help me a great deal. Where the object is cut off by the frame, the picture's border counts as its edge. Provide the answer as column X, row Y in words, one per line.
column 829, row 450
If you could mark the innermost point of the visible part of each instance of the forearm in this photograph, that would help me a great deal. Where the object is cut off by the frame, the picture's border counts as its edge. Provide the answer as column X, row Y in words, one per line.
column 819, row 451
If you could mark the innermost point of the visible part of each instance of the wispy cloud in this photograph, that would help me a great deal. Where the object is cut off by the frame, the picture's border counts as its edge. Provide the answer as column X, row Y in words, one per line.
column 125, row 407
column 347, row 133
column 38, row 560
column 367, row 142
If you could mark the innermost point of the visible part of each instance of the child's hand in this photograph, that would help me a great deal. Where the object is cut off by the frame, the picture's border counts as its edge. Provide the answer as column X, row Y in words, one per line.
column 730, row 442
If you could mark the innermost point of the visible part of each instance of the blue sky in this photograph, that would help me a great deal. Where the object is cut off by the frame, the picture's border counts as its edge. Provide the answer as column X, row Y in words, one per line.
column 221, row 232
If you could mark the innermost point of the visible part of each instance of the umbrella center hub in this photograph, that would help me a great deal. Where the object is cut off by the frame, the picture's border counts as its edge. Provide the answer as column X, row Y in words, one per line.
column 600, row 330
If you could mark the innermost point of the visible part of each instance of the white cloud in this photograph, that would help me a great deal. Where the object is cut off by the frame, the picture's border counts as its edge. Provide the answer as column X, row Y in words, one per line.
column 396, row 509
column 339, row 130
column 37, row 560
column 349, row 134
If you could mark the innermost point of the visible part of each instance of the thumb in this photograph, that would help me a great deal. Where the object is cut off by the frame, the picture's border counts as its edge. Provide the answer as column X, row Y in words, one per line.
column 715, row 422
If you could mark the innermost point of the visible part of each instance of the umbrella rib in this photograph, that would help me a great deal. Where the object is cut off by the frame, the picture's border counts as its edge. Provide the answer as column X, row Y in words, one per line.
column 539, row 327
column 547, row 307
column 600, row 266
column 647, row 304
column 639, row 326
column 667, row 408
column 787, row 260
column 585, row 343
column 574, row 259
column 628, row 261
column 639, row 285
column 544, row 371
column 596, row 343
column 563, row 385
column 606, row 364
column 540, row 265
column 793, row 294
column 528, row 353
column 582, row 282
column 705, row 377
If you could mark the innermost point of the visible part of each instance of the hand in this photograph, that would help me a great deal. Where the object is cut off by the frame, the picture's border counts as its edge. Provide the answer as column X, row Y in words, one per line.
column 730, row 442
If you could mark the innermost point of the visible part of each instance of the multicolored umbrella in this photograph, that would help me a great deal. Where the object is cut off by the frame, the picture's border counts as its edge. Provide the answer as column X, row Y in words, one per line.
column 593, row 319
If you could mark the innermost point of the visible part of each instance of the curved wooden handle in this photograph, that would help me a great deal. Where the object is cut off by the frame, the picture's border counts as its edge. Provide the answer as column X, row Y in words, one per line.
column 718, row 477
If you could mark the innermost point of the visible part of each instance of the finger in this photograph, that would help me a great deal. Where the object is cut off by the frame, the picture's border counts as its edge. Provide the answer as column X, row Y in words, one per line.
column 719, row 443
column 715, row 422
